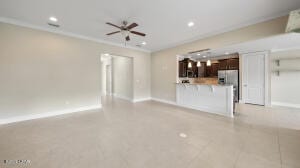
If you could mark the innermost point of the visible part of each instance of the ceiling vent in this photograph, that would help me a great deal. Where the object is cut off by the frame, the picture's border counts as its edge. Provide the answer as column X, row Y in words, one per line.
column 199, row 51
column 294, row 22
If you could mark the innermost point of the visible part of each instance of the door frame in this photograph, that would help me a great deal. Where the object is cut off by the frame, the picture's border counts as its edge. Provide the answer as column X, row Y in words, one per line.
column 267, row 101
column 108, row 80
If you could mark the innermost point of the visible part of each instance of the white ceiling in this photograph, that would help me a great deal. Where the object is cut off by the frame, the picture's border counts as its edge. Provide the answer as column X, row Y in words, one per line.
column 164, row 21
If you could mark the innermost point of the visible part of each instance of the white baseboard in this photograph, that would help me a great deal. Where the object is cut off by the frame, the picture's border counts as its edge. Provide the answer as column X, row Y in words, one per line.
column 122, row 97
column 141, row 100
column 48, row 114
column 164, row 101
column 286, row 104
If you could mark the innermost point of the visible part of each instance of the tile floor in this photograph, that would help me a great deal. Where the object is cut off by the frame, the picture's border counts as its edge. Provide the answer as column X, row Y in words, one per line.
column 152, row 135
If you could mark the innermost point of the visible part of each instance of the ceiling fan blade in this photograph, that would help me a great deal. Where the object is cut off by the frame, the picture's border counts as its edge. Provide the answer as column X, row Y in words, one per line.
column 127, row 38
column 113, row 33
column 113, row 25
column 138, row 33
column 133, row 25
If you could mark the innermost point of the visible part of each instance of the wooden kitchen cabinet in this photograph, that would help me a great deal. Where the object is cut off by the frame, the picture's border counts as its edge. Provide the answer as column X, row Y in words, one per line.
column 233, row 64
column 194, row 69
column 183, row 69
column 229, row 64
column 223, row 64
column 202, row 70
column 212, row 71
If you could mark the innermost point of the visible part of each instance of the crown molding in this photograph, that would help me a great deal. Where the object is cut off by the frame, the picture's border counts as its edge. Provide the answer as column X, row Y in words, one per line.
column 65, row 33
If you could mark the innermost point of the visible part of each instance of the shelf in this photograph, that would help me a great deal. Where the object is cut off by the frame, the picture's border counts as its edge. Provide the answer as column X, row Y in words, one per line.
column 287, row 58
column 277, row 69
column 285, row 70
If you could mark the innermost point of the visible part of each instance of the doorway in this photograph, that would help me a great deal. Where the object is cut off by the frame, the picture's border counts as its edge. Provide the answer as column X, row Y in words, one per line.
column 117, row 76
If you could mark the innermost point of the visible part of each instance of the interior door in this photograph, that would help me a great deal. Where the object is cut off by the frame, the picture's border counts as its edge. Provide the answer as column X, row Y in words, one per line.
column 254, row 78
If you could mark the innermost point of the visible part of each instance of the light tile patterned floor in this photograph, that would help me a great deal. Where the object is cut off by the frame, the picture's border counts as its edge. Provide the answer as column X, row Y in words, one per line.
column 147, row 135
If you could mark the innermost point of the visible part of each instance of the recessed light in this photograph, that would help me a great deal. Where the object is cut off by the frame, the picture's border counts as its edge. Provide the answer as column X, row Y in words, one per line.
column 204, row 56
column 227, row 53
column 144, row 43
column 198, row 54
column 191, row 24
column 53, row 19
column 183, row 135
column 106, row 54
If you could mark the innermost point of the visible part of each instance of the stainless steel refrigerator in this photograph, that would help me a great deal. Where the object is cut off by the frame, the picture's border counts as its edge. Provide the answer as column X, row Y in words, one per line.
column 230, row 77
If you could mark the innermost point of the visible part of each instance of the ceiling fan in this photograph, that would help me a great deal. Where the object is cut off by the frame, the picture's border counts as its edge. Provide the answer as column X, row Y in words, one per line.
column 125, row 30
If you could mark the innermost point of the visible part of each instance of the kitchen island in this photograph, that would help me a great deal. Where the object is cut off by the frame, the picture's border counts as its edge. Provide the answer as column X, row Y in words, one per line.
column 216, row 99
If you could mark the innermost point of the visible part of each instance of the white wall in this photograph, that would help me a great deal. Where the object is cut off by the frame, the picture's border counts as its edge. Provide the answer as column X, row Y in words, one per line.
column 122, row 77
column 285, row 87
column 43, row 72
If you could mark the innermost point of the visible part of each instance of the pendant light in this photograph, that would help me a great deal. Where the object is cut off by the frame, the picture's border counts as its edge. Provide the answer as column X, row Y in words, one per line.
column 198, row 64
column 189, row 65
column 208, row 63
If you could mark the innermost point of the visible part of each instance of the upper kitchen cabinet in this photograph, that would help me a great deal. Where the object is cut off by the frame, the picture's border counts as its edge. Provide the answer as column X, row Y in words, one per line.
column 185, row 71
column 212, row 71
column 194, row 69
column 183, row 65
column 233, row 64
column 223, row 64
column 229, row 64
column 202, row 70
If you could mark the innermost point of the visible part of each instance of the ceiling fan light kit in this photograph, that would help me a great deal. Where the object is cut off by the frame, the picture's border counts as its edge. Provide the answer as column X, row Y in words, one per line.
column 126, row 30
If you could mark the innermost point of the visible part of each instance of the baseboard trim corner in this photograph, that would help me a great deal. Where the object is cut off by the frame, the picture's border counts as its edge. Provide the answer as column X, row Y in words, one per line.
column 122, row 97
column 164, row 101
column 141, row 99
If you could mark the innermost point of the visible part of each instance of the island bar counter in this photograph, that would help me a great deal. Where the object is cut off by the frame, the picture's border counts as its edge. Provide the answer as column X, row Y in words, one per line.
column 216, row 99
